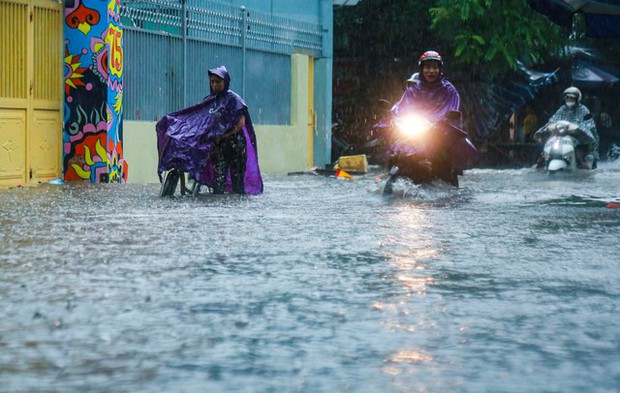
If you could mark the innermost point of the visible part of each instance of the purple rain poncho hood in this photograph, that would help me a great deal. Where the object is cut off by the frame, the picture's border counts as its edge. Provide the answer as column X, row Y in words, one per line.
column 432, row 100
column 186, row 138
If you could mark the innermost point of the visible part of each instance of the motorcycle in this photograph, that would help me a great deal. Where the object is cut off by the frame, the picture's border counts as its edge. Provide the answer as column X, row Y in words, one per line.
column 340, row 146
column 613, row 154
column 174, row 177
column 182, row 159
column 356, row 139
column 561, row 151
column 377, row 144
column 423, row 152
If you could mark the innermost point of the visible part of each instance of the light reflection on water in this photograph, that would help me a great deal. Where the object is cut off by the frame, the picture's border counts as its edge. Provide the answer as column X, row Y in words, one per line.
column 507, row 284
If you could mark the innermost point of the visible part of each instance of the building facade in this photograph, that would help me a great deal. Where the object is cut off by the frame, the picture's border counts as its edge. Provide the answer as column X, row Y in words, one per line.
column 128, row 64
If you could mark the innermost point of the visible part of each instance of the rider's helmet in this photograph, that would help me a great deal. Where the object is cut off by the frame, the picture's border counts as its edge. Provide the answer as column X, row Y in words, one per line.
column 430, row 55
column 572, row 92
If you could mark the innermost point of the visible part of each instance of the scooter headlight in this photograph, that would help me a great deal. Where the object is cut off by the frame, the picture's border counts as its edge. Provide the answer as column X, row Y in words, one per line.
column 412, row 125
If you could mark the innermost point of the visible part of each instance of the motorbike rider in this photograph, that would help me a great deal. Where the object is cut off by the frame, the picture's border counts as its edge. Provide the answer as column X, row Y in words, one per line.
column 433, row 98
column 434, row 95
column 574, row 111
column 427, row 93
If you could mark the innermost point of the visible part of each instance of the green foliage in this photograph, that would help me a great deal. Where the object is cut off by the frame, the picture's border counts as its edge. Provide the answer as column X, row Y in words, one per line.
column 383, row 30
column 495, row 34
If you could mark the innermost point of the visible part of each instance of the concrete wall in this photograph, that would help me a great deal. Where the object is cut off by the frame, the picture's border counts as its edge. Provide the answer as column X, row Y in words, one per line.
column 281, row 149
column 318, row 12
column 323, row 70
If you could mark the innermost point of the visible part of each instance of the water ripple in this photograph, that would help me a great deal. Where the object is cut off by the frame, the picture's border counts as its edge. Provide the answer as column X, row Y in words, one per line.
column 509, row 284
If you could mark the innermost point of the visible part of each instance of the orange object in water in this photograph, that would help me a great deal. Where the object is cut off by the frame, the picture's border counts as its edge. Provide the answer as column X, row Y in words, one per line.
column 613, row 205
column 343, row 174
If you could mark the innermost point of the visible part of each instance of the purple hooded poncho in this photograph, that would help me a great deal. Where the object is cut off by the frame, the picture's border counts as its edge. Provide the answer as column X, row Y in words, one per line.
column 432, row 100
column 185, row 138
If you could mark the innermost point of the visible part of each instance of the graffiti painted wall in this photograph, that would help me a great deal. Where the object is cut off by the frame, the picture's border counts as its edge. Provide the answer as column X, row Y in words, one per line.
column 92, row 138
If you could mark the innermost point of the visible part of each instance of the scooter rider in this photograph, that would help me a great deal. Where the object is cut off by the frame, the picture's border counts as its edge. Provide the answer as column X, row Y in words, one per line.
column 433, row 96
column 436, row 100
column 575, row 112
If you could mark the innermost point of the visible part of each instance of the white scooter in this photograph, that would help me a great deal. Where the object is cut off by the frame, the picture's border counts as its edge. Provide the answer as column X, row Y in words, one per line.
column 559, row 152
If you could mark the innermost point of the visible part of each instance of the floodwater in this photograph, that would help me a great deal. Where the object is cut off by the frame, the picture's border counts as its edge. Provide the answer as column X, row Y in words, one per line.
column 509, row 284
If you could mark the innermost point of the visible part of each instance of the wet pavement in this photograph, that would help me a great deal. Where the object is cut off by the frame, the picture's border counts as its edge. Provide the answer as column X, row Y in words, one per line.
column 508, row 284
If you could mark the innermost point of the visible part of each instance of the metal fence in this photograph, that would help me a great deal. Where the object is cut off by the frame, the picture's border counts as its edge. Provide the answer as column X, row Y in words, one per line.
column 170, row 45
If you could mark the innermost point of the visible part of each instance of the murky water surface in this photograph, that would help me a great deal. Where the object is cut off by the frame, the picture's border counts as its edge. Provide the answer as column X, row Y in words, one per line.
column 509, row 284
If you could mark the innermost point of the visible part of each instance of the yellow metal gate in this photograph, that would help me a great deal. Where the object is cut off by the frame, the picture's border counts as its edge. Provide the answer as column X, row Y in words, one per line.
column 31, row 91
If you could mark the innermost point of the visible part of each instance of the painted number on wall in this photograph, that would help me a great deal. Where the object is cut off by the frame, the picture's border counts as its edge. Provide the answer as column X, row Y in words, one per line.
column 115, row 36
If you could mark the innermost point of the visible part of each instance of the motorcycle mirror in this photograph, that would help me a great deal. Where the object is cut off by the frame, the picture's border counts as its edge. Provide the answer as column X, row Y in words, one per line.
column 384, row 104
column 453, row 115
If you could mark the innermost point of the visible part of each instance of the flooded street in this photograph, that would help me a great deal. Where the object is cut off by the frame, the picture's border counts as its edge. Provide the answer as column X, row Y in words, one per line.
column 509, row 284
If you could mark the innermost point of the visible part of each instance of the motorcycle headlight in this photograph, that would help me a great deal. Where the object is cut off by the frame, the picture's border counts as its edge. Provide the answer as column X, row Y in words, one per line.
column 412, row 125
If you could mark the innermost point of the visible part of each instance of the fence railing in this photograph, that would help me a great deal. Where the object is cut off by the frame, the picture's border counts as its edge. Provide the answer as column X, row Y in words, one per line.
column 169, row 45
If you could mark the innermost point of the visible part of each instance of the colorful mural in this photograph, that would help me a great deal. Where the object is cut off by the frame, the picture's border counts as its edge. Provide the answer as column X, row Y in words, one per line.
column 93, row 107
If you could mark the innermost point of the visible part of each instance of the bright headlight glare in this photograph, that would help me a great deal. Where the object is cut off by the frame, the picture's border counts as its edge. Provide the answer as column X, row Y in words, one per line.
column 412, row 125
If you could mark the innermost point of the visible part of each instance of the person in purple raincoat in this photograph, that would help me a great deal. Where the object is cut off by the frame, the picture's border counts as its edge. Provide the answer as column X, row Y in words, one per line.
column 433, row 96
column 214, row 141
